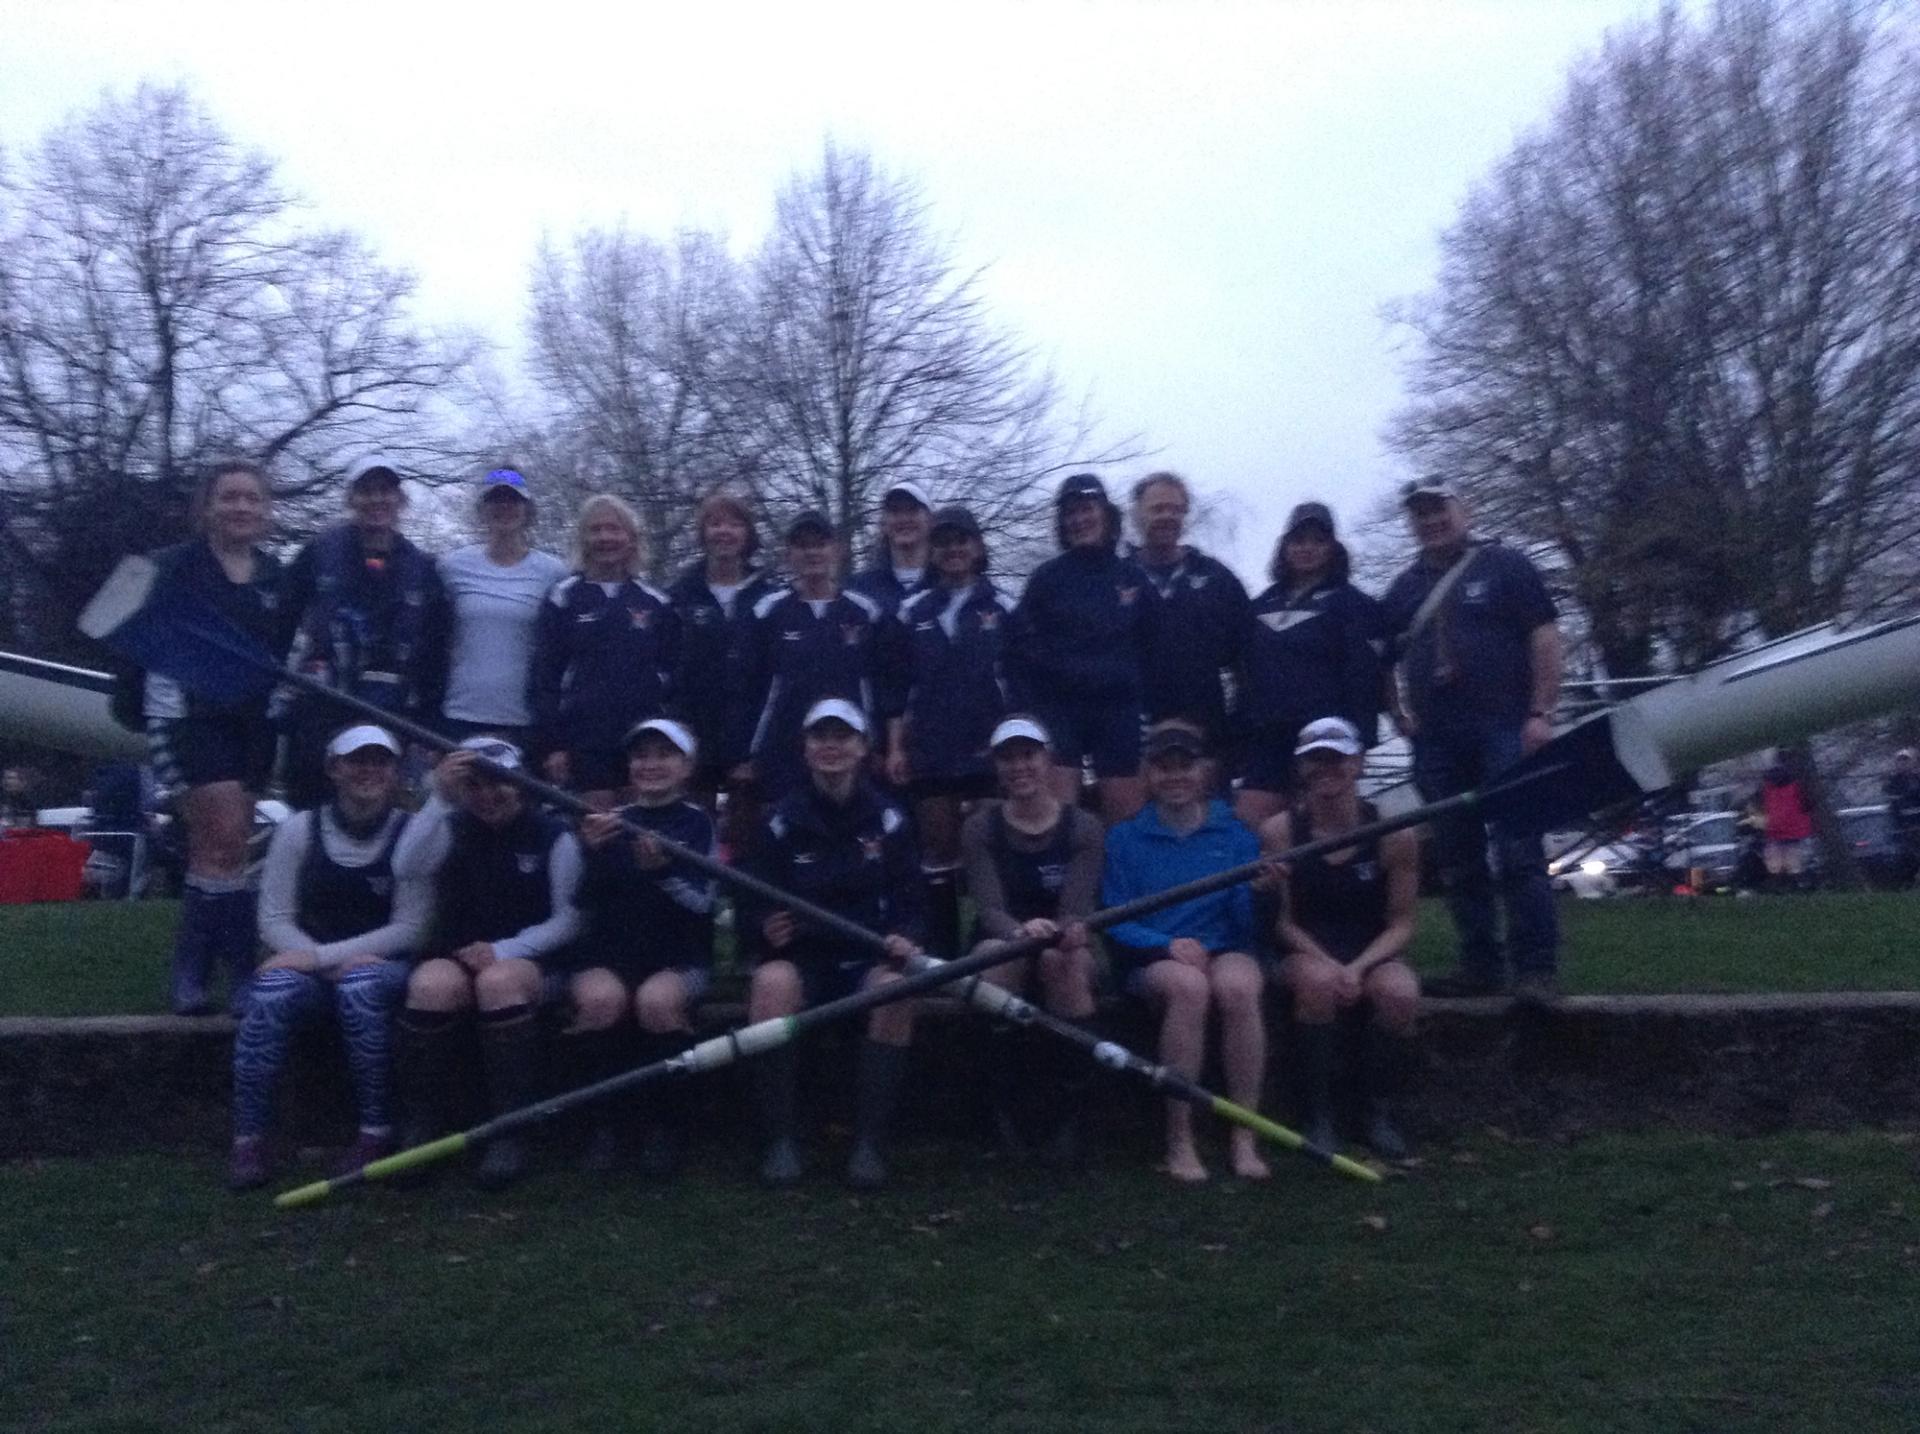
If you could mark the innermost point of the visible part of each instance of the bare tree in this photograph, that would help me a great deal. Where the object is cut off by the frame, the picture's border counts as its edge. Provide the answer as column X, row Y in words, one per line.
column 869, row 357
column 159, row 303
column 629, row 345
column 1675, row 343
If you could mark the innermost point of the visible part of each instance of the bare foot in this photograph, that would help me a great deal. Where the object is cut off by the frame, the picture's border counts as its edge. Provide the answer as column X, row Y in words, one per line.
column 1184, row 1165
column 1247, row 1163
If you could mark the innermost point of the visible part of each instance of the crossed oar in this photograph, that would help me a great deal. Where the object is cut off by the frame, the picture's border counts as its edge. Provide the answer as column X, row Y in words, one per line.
column 174, row 634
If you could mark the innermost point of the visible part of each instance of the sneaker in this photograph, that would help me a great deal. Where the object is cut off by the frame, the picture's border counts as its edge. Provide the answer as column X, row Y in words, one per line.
column 1463, row 986
column 365, row 1149
column 247, row 1165
column 780, row 1166
column 1381, row 1135
column 865, row 1169
column 1542, row 992
column 504, row 1161
column 1319, row 1133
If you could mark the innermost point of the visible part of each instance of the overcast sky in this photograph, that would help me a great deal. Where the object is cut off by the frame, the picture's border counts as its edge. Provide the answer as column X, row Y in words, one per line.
column 1193, row 211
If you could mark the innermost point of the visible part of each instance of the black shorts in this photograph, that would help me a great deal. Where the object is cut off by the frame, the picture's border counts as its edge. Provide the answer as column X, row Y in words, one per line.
column 1104, row 733
column 823, row 981
column 195, row 751
column 458, row 729
column 1265, row 760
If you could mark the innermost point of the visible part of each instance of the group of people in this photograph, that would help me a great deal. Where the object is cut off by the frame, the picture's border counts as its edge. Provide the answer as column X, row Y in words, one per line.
column 882, row 745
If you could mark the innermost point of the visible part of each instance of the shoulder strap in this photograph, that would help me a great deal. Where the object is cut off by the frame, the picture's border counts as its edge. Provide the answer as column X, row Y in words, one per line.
column 1427, row 610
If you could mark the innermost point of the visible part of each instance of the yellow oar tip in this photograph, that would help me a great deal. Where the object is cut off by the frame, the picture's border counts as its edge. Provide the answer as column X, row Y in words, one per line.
column 1357, row 1170
column 305, row 1195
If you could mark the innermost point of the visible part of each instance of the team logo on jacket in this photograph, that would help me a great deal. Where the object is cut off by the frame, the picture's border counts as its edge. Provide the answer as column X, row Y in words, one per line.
column 1197, row 581
column 850, row 633
column 989, row 620
column 527, row 861
column 1127, row 595
column 380, row 885
column 639, row 617
column 870, row 848
column 702, row 614
column 1366, row 870
column 1475, row 591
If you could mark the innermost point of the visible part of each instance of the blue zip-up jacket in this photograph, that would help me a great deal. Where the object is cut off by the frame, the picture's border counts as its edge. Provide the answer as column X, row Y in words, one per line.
column 600, row 663
column 792, row 658
column 1193, row 649
column 953, row 688
column 880, row 583
column 641, row 921
column 856, row 858
column 707, row 689
column 1144, row 856
column 1309, row 657
column 254, row 607
column 1081, row 629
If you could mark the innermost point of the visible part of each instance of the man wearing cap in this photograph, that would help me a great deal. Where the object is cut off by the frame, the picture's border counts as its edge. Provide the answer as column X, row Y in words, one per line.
column 901, row 567
column 805, row 642
column 1081, row 631
column 1193, row 651
column 1312, row 648
column 1902, row 789
column 948, row 685
column 1345, row 918
column 837, row 842
column 1033, row 866
column 649, row 935
column 1196, row 956
column 340, row 915
column 1472, row 626
column 505, row 874
column 371, row 620
column 495, row 590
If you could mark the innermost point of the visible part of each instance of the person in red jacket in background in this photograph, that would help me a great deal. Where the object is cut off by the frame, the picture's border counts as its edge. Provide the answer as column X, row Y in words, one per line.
column 1789, row 828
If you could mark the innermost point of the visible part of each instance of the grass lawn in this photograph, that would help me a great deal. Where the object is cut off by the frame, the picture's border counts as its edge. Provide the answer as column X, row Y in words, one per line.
column 101, row 958
column 1627, row 1283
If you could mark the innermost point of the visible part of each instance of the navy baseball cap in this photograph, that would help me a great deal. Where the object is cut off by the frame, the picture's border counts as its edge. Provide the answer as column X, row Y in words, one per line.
column 955, row 519
column 809, row 520
column 1081, row 485
column 1306, row 513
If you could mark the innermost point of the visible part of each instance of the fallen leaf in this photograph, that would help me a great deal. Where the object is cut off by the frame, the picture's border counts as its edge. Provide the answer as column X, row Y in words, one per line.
column 1813, row 1182
column 1464, row 1157
column 1823, row 1209
column 456, row 1259
column 1541, row 1232
column 1740, row 1185
column 1215, row 1249
column 1375, row 1223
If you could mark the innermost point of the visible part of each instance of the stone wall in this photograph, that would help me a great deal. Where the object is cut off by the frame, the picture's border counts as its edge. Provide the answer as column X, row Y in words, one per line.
column 1738, row 1064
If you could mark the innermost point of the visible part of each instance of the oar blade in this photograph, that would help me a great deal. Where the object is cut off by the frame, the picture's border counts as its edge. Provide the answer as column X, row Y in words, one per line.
column 172, row 634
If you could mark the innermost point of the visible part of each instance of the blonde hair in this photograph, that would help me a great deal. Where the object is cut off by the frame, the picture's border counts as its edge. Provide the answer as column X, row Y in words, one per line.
column 622, row 511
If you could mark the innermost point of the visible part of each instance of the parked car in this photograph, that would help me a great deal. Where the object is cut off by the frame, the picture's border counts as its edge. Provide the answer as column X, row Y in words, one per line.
column 1576, row 863
column 1706, row 843
column 1883, row 858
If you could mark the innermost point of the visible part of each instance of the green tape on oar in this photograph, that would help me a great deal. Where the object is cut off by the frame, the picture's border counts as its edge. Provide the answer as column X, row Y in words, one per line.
column 1292, row 1139
column 387, row 1165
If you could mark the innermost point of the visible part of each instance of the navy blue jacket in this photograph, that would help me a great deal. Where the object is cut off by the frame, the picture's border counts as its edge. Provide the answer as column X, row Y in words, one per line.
column 954, row 690
column 1314, row 656
column 1082, row 628
column 791, row 659
column 1471, row 665
column 707, row 689
column 378, row 631
column 600, row 663
column 255, row 607
column 1193, row 649
column 640, row 921
column 879, row 583
column 857, row 859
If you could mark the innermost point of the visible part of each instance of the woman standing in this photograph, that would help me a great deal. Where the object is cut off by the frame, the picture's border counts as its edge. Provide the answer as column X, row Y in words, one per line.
column 1080, row 636
column 947, row 666
column 714, row 596
column 1345, row 920
column 216, row 757
column 1311, row 650
column 495, row 589
column 606, row 646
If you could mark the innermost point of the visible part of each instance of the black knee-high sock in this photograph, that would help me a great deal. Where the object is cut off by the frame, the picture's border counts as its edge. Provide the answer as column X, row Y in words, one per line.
column 423, row 1070
column 597, row 1056
column 662, row 1101
column 943, row 910
column 510, row 1050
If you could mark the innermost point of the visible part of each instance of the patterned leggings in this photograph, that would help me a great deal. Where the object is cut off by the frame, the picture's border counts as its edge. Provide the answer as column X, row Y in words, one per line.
column 281, row 1002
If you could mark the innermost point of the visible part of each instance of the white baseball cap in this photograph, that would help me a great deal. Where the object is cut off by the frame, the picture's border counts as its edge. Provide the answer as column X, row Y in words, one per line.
column 1334, row 734
column 497, row 750
column 912, row 489
column 356, row 739
column 835, row 709
column 673, row 731
column 1017, row 728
